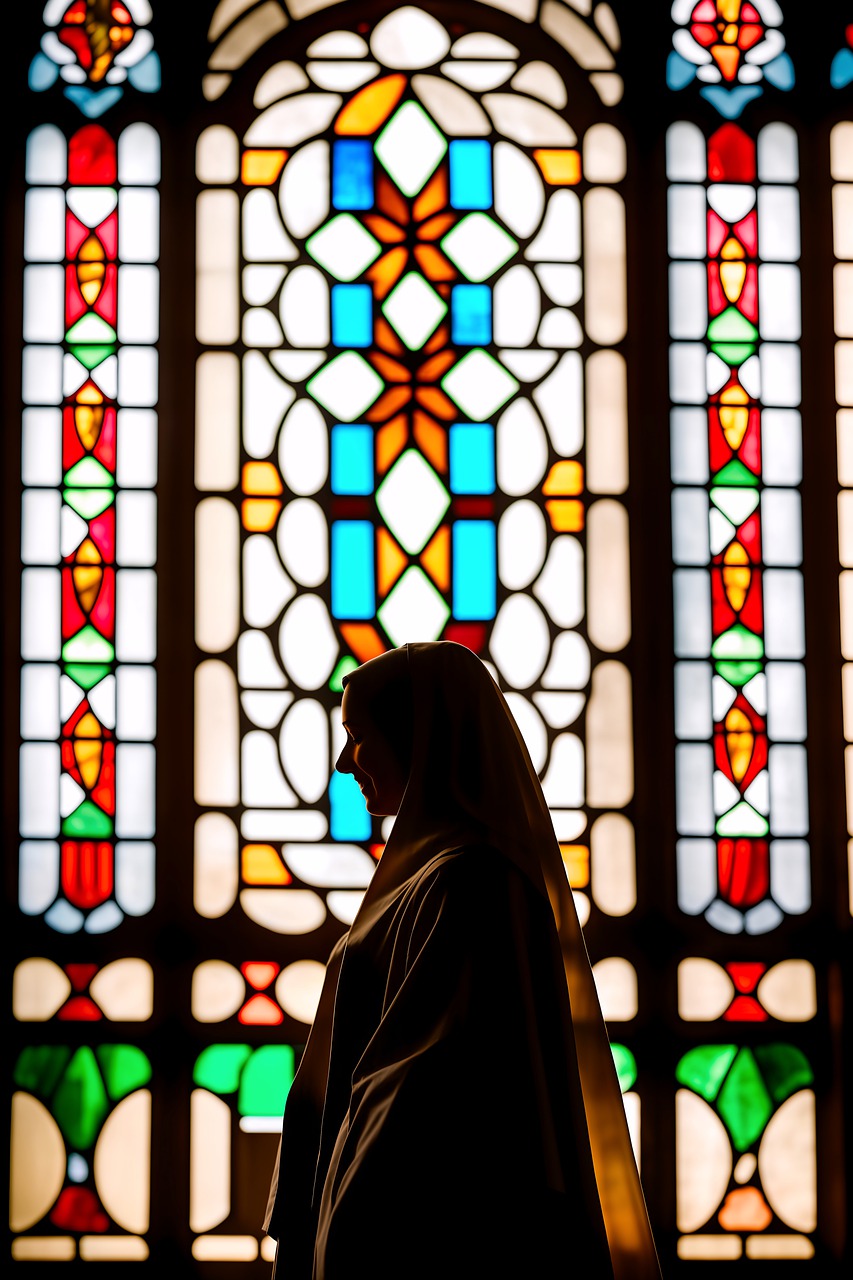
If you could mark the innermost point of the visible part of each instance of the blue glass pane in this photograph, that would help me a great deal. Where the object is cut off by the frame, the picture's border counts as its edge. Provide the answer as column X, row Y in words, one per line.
column 349, row 818
column 352, row 459
column 474, row 569
column 472, row 458
column 352, row 174
column 353, row 588
column 471, row 314
column 470, row 174
column 352, row 315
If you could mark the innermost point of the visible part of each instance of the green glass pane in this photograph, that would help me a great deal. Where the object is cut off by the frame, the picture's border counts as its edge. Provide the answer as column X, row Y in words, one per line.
column 89, row 473
column 125, row 1068
column 80, row 1102
column 87, row 822
column 744, row 1102
column 739, row 643
column 218, row 1068
column 266, row 1081
column 735, row 473
column 87, row 674
column 703, row 1068
column 88, row 646
column 88, row 503
column 733, row 353
column 344, row 667
column 737, row 673
column 91, row 356
column 91, row 328
column 732, row 325
column 39, row 1067
column 626, row 1066
column 784, row 1068
column 742, row 820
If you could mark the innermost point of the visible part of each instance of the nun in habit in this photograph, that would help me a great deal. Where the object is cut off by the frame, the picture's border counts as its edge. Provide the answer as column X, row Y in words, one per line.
column 456, row 1113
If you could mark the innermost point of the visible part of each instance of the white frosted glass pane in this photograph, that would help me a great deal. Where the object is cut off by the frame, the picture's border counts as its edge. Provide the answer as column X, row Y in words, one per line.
column 781, row 527
column 693, row 712
column 39, row 789
column 845, row 588
column 685, row 153
column 38, row 879
column 137, row 376
column 845, row 528
column 692, row 607
column 134, row 790
column 135, row 881
column 687, row 382
column 136, row 703
column 781, row 447
column 217, row 584
column 44, row 225
column 44, row 304
column 136, row 615
column 515, row 307
column 304, row 190
column 41, row 457
column 686, row 222
column 138, row 225
column 136, row 454
column 697, row 874
column 40, row 526
column 842, row 288
column 39, row 700
column 609, row 748
column 689, row 446
column 783, row 613
column 694, row 812
column 778, row 224
column 842, row 220
column 603, row 154
column 40, row 604
column 780, row 374
column 786, row 701
column 607, row 423
column 217, row 155
column 304, row 308
column 779, row 292
column 138, row 304
column 843, row 372
column 790, row 875
column 690, row 526
column 264, row 237
column 139, row 156
column 41, row 375
column 788, row 791
column 604, row 265
column 216, row 735
column 688, row 308
column 559, row 236
column 136, row 529
column 777, row 154
column 217, row 443
column 217, row 281
column 47, row 153
column 841, row 151
column 608, row 578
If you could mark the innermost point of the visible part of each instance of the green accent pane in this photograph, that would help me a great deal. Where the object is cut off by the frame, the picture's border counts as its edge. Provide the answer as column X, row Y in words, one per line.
column 344, row 667
column 626, row 1066
column 703, row 1068
column 125, row 1068
column 732, row 325
column 87, row 674
column 737, row 673
column 735, row 473
column 266, row 1081
column 89, row 473
column 88, row 822
column 733, row 353
column 39, row 1067
column 88, row 646
column 91, row 328
column 742, row 820
column 784, row 1068
column 88, row 503
column 738, row 642
column 744, row 1102
column 80, row 1103
column 218, row 1068
column 91, row 356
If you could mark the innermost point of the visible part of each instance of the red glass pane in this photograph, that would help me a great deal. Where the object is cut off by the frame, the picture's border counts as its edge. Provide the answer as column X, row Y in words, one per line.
column 743, row 871
column 731, row 155
column 80, row 1009
column 91, row 157
column 78, row 1209
column 87, row 871
column 471, row 634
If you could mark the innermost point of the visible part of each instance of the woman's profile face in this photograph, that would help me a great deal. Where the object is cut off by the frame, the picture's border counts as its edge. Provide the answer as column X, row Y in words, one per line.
column 368, row 756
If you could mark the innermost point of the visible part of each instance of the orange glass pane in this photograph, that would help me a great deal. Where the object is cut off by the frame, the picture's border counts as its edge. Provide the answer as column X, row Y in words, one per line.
column 390, row 441
column 261, row 168
column 386, row 271
column 561, row 168
column 261, row 477
column 392, row 370
column 89, row 394
column 87, row 584
column 435, row 227
column 564, row 477
column 384, row 229
column 732, row 249
column 371, row 106
column 436, row 402
column 433, row 263
column 363, row 640
column 259, row 973
column 88, row 423
column 262, row 865
column 435, row 558
column 260, row 514
column 576, row 862
column 390, row 201
column 386, row 339
column 737, row 574
column 745, row 1209
column 432, row 439
column 392, row 560
column 260, row 1011
column 565, row 514
column 441, row 337
column 436, row 366
column 433, row 197
column 389, row 403
column 734, row 393
column 727, row 57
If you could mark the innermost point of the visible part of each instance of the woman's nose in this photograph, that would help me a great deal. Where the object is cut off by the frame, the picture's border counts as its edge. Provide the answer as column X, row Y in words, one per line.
column 342, row 764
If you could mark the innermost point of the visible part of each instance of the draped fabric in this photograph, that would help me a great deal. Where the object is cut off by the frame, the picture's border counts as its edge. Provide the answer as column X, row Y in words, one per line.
column 457, row 1106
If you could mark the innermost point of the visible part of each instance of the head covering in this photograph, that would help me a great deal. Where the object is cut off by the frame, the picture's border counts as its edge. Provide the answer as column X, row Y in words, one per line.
column 472, row 781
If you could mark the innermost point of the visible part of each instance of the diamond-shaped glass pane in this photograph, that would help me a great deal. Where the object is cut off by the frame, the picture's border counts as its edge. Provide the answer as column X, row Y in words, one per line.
column 344, row 247
column 346, row 386
column 410, row 146
column 414, row 610
column 478, row 246
column 479, row 385
column 411, row 500
column 414, row 309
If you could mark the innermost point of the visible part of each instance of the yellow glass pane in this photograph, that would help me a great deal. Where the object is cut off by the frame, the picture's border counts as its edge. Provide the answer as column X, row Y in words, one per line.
column 576, row 862
column 260, row 514
column 564, row 477
column 391, row 561
column 566, row 514
column 262, row 168
column 436, row 558
column 262, row 865
column 562, row 168
column 369, row 108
